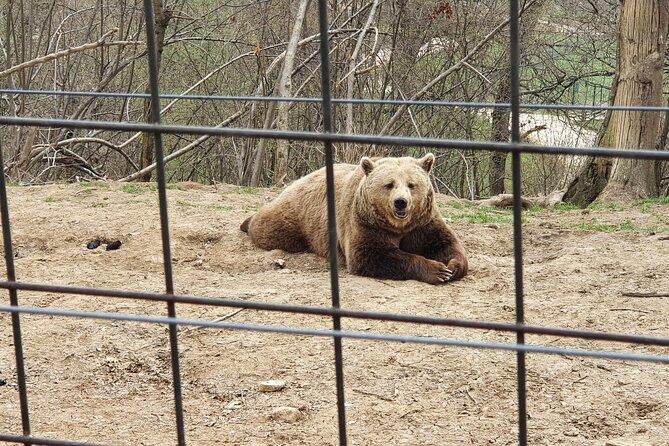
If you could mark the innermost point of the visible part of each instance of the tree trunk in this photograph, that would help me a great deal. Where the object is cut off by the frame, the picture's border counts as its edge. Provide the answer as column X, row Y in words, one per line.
column 350, row 155
column 641, row 39
column 281, row 165
column 501, row 116
column 500, row 132
column 594, row 175
column 639, row 73
column 163, row 17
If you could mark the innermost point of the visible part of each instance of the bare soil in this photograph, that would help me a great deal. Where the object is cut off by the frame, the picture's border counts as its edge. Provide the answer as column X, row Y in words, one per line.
column 110, row 381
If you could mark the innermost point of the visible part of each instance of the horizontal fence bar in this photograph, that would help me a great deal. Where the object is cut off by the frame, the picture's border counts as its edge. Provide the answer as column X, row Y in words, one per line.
column 339, row 137
column 400, row 102
column 44, row 441
column 345, row 313
column 323, row 333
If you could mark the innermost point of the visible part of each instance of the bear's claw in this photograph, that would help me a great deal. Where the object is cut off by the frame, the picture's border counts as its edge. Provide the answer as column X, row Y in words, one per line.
column 439, row 273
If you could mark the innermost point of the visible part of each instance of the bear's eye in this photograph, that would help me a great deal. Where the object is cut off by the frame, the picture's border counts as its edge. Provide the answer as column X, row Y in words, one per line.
column 411, row 185
column 389, row 186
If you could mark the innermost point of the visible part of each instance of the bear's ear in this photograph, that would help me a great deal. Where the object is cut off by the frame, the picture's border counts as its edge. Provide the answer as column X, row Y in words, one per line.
column 367, row 165
column 427, row 162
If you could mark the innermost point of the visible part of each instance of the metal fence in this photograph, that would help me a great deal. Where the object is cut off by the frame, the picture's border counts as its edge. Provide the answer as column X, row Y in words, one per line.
column 328, row 137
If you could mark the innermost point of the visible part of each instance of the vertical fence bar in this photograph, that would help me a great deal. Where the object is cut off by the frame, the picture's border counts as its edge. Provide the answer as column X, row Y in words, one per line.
column 164, row 224
column 517, row 216
column 14, row 302
column 332, row 220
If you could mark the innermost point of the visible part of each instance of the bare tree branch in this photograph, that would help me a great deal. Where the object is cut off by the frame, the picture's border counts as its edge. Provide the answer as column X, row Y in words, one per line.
column 403, row 108
column 37, row 149
column 183, row 150
column 58, row 55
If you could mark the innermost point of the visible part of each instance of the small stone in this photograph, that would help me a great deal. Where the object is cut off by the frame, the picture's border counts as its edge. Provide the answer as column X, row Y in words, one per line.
column 272, row 385
column 279, row 263
column 234, row 404
column 573, row 432
column 287, row 414
column 93, row 244
column 493, row 226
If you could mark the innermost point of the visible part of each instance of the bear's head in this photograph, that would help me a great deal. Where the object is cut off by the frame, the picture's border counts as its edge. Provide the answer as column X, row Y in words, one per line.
column 396, row 193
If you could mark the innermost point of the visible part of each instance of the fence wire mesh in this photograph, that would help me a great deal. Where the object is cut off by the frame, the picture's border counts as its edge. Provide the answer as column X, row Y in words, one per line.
column 328, row 137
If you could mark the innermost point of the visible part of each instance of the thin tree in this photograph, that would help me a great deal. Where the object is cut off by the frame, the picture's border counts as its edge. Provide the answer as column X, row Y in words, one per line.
column 284, row 90
column 163, row 17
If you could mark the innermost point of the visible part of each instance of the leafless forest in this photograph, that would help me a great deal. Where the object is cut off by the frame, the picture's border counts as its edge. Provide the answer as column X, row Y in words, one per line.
column 454, row 51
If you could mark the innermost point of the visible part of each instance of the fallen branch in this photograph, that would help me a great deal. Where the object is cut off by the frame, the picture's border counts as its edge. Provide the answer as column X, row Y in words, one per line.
column 190, row 330
column 630, row 309
column 368, row 393
column 536, row 128
column 58, row 54
column 220, row 319
column 640, row 294
column 85, row 140
column 506, row 200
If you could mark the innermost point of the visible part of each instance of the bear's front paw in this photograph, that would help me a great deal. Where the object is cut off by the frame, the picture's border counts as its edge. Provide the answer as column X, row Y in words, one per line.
column 458, row 266
column 437, row 273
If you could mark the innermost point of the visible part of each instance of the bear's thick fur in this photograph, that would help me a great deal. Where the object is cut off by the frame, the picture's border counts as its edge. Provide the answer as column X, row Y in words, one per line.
column 388, row 223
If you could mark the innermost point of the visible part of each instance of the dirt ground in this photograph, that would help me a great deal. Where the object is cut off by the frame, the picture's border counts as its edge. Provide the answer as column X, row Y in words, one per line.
column 110, row 381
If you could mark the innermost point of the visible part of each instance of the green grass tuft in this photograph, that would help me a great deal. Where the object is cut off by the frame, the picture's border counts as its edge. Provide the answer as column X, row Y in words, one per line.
column 652, row 201
column 185, row 204
column 594, row 225
column 246, row 190
column 481, row 215
column 565, row 207
column 221, row 207
column 137, row 190
column 606, row 207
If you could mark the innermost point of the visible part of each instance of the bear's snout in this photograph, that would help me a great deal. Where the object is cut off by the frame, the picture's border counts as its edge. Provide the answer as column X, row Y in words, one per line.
column 400, row 203
column 400, row 210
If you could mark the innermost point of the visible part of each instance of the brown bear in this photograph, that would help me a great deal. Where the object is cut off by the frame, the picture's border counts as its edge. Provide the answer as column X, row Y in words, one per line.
column 388, row 223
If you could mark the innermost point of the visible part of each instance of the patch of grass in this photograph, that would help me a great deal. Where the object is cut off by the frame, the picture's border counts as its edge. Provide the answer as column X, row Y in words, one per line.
column 221, row 207
column 250, row 207
column 456, row 205
column 651, row 201
column 95, row 184
column 482, row 215
column 100, row 204
column 137, row 190
column 594, row 225
column 88, row 191
column 52, row 200
column 487, row 219
column 606, row 207
column 185, row 204
column 246, row 190
column 646, row 204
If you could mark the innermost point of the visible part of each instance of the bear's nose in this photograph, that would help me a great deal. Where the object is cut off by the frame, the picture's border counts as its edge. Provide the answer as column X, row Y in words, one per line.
column 400, row 203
